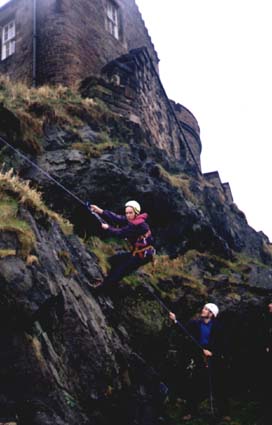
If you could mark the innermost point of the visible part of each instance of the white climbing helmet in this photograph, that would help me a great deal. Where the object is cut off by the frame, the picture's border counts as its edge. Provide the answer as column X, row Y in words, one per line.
column 213, row 308
column 135, row 205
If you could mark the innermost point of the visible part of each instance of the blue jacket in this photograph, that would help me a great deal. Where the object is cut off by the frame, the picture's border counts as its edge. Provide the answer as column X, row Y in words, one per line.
column 217, row 342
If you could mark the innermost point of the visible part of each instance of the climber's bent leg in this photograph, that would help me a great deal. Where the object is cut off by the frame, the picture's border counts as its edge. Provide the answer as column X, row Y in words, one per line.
column 127, row 264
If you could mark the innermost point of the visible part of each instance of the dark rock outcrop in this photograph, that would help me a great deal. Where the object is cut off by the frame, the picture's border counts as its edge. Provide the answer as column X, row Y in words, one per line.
column 71, row 356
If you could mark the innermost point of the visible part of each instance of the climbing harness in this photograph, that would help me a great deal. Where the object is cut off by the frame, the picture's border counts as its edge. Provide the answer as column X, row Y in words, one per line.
column 45, row 173
column 141, row 244
column 184, row 329
column 143, row 252
column 142, row 248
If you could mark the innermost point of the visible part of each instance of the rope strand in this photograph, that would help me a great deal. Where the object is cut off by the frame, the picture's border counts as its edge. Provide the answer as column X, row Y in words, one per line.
column 45, row 173
column 151, row 290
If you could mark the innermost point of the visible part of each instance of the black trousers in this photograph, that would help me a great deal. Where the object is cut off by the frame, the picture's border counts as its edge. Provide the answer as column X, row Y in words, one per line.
column 122, row 265
column 265, row 393
column 206, row 383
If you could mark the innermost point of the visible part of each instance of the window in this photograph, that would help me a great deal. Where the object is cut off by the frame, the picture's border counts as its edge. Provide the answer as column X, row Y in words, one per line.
column 112, row 19
column 8, row 40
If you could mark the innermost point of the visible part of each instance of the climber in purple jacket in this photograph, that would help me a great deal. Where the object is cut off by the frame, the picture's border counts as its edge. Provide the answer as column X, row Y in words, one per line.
column 134, row 228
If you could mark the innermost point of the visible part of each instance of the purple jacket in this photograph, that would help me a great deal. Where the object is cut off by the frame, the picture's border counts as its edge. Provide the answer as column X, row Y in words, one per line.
column 128, row 230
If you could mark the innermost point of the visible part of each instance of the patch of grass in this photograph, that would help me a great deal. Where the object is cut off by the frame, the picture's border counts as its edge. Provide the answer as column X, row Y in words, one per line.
column 59, row 105
column 24, row 234
column 242, row 260
column 179, row 181
column 241, row 413
column 69, row 268
column 168, row 277
column 9, row 223
column 241, row 265
column 92, row 150
column 7, row 252
column 134, row 279
column 24, row 194
column 102, row 250
column 267, row 247
column 167, row 268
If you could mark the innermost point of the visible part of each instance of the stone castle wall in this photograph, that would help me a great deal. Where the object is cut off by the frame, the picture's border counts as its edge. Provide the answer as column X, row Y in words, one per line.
column 19, row 65
column 133, row 89
column 214, row 178
column 73, row 43
column 72, row 40
column 190, row 128
column 137, row 33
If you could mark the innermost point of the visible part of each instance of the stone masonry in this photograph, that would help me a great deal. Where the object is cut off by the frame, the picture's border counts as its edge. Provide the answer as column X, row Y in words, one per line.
column 190, row 128
column 214, row 178
column 132, row 87
column 72, row 41
column 19, row 65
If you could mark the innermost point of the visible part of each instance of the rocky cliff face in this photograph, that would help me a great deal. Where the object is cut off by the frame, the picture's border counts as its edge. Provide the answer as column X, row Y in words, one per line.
column 68, row 355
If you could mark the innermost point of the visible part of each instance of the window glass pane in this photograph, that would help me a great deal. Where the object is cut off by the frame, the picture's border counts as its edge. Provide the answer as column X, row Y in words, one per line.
column 112, row 19
column 110, row 12
column 3, row 52
column 12, row 47
column 5, row 33
column 8, row 41
column 12, row 30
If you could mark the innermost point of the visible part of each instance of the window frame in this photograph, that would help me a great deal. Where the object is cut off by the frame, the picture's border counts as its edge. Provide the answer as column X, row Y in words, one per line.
column 112, row 19
column 8, row 35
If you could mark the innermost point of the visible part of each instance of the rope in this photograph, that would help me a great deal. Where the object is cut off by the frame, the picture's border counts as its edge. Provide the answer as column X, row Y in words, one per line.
column 45, row 173
column 151, row 290
column 210, row 387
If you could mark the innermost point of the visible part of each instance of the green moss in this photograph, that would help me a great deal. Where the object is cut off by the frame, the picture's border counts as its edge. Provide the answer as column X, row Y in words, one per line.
column 59, row 105
column 10, row 223
column 241, row 413
column 213, row 265
column 7, row 252
column 70, row 400
column 179, row 181
column 13, row 192
column 133, row 280
column 244, row 261
column 147, row 315
column 102, row 250
column 69, row 268
column 21, row 192
column 233, row 297
column 89, row 150
column 93, row 150
column 8, row 207
column 172, row 269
